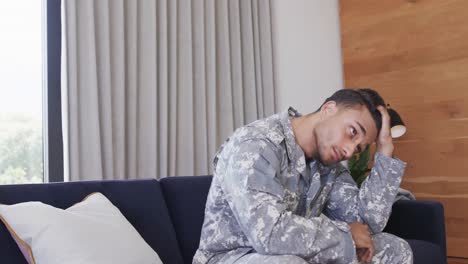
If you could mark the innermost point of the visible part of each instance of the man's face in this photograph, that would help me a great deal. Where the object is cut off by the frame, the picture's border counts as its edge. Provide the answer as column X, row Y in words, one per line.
column 343, row 132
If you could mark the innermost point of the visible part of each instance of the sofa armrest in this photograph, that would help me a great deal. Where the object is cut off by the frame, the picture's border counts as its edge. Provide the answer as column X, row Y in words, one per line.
column 421, row 220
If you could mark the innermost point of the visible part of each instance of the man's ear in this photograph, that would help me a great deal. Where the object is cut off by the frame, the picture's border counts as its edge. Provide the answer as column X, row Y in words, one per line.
column 329, row 108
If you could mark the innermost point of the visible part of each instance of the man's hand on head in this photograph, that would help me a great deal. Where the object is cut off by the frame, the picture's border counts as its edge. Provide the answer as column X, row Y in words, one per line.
column 384, row 140
column 363, row 241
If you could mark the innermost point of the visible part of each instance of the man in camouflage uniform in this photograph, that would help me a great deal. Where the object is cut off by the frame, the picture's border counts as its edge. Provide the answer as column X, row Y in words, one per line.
column 280, row 195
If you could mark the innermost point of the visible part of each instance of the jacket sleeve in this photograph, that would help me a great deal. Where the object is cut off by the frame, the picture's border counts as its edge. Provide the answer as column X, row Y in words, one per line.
column 255, row 195
column 372, row 203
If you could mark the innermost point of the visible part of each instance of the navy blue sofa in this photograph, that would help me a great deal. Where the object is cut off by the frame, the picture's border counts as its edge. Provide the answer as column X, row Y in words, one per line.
column 169, row 214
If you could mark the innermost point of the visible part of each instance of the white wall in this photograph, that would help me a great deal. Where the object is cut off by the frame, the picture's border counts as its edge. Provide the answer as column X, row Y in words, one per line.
column 307, row 52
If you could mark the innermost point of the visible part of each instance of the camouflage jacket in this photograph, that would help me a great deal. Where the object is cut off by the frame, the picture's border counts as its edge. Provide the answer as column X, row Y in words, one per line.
column 266, row 198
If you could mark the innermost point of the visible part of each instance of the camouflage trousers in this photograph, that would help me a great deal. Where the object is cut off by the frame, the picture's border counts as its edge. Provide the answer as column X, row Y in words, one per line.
column 389, row 249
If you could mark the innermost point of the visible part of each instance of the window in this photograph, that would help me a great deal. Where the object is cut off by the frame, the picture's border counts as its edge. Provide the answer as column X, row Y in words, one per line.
column 30, row 124
column 21, row 82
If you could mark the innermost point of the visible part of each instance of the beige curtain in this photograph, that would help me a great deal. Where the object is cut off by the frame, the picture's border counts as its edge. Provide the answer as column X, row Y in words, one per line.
column 154, row 87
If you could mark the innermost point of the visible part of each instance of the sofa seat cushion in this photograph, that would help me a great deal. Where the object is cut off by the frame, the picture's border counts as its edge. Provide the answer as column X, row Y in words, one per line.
column 425, row 252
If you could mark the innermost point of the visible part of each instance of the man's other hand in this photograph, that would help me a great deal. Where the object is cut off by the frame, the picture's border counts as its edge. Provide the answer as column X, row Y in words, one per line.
column 363, row 241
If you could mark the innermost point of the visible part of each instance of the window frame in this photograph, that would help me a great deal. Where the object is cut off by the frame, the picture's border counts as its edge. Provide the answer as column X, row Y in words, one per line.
column 53, row 136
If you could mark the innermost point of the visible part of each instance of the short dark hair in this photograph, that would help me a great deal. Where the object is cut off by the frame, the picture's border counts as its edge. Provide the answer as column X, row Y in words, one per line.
column 349, row 98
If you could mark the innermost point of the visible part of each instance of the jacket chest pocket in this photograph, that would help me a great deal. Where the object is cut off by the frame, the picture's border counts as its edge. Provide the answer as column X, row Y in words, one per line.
column 316, row 204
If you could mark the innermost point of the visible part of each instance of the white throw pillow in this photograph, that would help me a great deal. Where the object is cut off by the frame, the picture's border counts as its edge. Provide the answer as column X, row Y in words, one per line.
column 93, row 231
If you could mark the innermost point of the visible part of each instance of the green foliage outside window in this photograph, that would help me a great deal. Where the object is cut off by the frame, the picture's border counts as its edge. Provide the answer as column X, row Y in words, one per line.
column 358, row 166
column 20, row 149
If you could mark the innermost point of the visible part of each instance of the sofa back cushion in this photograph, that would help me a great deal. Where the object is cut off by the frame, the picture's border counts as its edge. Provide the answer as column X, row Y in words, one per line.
column 186, row 199
column 93, row 231
column 140, row 201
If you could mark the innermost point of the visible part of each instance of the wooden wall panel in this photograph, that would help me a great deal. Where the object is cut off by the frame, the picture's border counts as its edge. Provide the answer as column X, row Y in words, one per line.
column 415, row 53
column 457, row 261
